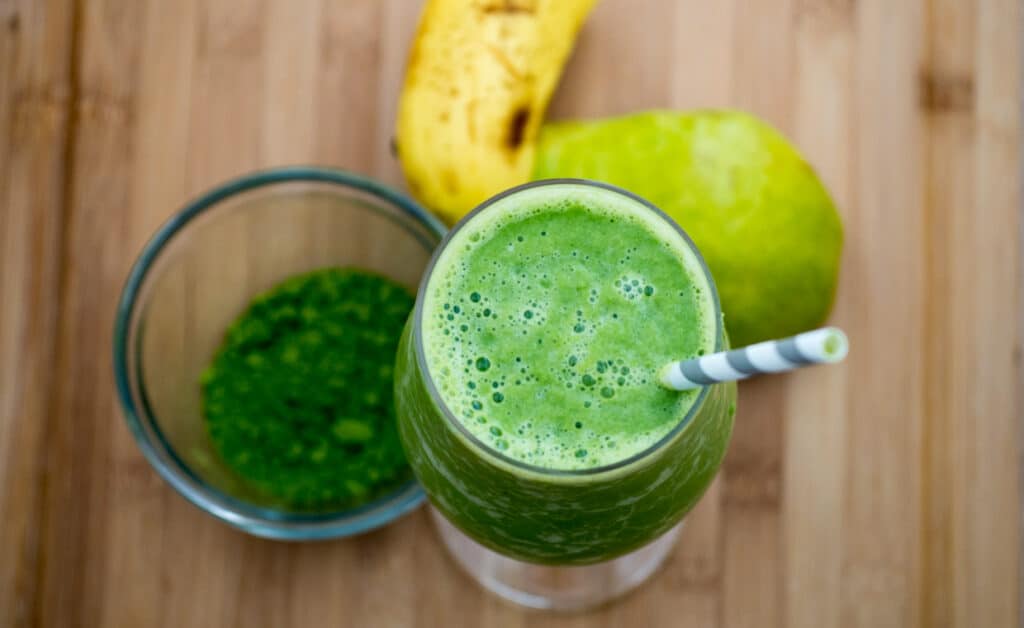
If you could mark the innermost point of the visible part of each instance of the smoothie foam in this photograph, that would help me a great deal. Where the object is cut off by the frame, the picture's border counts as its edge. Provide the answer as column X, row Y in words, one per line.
column 547, row 317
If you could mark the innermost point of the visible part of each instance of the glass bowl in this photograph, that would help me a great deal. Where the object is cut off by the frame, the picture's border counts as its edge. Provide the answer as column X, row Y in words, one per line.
column 201, row 270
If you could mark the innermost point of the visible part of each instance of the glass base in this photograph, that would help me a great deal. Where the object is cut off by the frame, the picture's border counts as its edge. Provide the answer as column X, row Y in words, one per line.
column 554, row 588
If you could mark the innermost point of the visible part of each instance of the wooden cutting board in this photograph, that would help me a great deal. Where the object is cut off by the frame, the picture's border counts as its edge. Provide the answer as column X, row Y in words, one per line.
column 883, row 492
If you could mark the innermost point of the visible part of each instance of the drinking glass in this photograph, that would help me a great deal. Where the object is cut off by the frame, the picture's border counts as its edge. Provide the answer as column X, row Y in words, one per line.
column 547, row 538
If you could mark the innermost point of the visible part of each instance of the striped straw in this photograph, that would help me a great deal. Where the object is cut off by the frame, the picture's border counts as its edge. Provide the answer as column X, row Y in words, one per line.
column 821, row 346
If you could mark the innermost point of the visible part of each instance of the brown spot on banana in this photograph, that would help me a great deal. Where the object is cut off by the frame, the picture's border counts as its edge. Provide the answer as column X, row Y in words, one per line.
column 471, row 120
column 508, row 6
column 503, row 60
column 516, row 127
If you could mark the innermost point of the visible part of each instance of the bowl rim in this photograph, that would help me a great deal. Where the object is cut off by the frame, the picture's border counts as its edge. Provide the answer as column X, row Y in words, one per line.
column 258, row 521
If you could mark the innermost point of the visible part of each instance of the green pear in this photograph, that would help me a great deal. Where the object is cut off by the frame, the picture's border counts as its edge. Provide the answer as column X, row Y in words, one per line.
column 756, row 210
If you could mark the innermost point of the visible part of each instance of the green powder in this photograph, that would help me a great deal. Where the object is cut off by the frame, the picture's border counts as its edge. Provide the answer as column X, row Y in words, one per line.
column 298, row 400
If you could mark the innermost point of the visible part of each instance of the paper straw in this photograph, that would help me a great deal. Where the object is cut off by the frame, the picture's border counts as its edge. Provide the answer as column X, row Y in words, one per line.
column 821, row 346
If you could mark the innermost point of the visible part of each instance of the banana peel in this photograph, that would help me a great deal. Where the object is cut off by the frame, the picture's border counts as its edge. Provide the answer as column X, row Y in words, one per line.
column 477, row 84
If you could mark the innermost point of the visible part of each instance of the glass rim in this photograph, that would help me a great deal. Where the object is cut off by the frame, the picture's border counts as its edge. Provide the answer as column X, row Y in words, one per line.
column 450, row 417
column 260, row 521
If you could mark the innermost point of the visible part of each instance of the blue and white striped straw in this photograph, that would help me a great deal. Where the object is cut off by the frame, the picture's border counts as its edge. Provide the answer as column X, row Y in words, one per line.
column 821, row 346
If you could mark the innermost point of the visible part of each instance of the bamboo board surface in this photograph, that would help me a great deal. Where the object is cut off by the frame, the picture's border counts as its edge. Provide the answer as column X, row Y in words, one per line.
column 883, row 492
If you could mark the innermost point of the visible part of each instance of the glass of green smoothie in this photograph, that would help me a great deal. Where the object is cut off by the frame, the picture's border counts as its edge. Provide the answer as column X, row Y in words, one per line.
column 527, row 392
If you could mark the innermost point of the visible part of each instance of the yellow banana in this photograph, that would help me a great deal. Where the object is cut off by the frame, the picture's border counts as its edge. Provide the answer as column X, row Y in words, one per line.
column 478, row 81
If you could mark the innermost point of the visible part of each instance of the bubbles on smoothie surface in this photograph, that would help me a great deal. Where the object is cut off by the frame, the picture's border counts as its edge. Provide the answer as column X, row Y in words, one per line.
column 554, row 327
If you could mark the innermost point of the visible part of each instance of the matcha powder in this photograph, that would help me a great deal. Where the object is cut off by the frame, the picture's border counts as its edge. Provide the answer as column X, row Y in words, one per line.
column 298, row 399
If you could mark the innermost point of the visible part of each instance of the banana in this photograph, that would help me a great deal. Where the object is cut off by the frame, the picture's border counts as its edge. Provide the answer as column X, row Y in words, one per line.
column 477, row 83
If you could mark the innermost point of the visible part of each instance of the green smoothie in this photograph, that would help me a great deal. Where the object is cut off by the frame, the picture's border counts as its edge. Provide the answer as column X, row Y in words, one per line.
column 526, row 383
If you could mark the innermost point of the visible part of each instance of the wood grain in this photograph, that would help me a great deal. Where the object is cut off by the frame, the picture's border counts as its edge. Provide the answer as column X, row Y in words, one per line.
column 813, row 503
column 985, row 387
column 882, row 492
column 35, row 96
